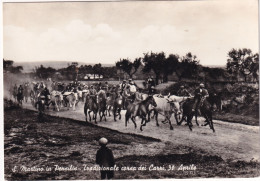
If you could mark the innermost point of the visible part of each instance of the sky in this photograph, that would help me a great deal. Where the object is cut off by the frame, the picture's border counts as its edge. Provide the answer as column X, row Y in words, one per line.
column 104, row 32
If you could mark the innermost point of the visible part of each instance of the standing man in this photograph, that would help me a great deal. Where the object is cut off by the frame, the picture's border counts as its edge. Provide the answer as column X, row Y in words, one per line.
column 105, row 159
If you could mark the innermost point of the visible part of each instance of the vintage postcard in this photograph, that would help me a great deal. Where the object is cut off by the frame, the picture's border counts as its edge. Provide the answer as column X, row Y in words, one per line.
column 130, row 90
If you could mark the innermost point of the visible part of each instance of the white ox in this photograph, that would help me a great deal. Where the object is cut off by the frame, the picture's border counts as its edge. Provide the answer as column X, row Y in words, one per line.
column 70, row 98
column 166, row 107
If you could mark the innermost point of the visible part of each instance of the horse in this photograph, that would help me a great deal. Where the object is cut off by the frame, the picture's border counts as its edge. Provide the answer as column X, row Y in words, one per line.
column 90, row 106
column 117, row 105
column 141, row 109
column 102, row 105
column 205, row 109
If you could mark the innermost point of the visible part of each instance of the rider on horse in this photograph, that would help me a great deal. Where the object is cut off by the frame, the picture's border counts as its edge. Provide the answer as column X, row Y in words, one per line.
column 183, row 92
column 152, row 91
column 122, row 87
column 200, row 95
column 46, row 93
column 20, row 91
column 93, row 93
column 41, row 86
column 101, row 93
column 69, row 87
column 126, row 95
column 138, row 96
column 132, row 87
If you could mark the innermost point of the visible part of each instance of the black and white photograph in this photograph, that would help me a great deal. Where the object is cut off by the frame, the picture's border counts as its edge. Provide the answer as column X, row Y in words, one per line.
column 125, row 90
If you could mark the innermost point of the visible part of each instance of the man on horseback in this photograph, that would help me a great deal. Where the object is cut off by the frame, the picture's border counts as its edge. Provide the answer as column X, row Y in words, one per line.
column 152, row 91
column 150, row 83
column 127, row 96
column 138, row 96
column 132, row 87
column 183, row 92
column 122, row 86
column 69, row 87
column 41, row 86
column 93, row 93
column 101, row 93
column 20, row 93
column 46, row 93
column 200, row 95
column 35, row 87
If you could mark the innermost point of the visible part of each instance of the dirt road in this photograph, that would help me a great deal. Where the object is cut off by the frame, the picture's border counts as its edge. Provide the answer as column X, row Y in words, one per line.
column 231, row 141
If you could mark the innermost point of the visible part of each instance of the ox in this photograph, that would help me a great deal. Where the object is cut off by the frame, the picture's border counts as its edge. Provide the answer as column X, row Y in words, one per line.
column 71, row 99
column 56, row 99
column 166, row 107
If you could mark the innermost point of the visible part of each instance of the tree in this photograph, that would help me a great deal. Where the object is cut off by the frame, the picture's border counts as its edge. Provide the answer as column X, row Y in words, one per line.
column 8, row 66
column 110, row 72
column 97, row 69
column 154, row 62
column 170, row 65
column 242, row 61
column 130, row 68
column 7, row 63
column 43, row 72
column 188, row 67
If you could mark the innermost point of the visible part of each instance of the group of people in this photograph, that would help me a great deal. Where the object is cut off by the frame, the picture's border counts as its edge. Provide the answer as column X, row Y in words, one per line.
column 127, row 89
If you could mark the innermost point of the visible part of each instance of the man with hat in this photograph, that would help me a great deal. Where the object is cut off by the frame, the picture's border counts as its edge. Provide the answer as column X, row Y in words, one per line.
column 152, row 91
column 105, row 159
column 93, row 93
column 46, row 93
column 183, row 92
column 126, row 96
column 122, row 86
column 132, row 87
column 138, row 96
column 101, row 93
column 200, row 95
